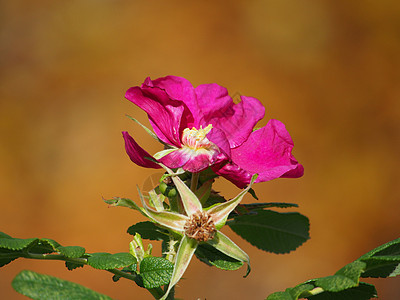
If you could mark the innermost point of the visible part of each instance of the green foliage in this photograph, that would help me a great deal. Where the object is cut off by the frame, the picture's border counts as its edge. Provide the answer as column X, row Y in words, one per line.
column 38, row 286
column 242, row 209
column 383, row 262
column 148, row 230
column 345, row 278
column 253, row 193
column 74, row 256
column 155, row 271
column 42, row 246
column 363, row 291
column 272, row 231
column 213, row 257
column 72, row 251
column 16, row 244
column 106, row 261
column 72, row 265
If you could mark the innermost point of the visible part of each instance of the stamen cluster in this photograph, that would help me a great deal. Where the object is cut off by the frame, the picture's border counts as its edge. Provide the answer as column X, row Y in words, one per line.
column 200, row 227
column 196, row 138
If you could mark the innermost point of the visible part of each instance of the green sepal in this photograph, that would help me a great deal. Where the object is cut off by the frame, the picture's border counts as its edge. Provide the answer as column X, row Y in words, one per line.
column 189, row 200
column 186, row 249
column 224, row 244
column 203, row 193
column 272, row 231
column 171, row 220
column 124, row 202
column 151, row 133
column 39, row 286
column 162, row 153
column 213, row 257
column 221, row 211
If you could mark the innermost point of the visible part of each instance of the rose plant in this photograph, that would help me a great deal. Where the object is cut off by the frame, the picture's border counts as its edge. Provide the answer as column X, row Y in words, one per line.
column 205, row 135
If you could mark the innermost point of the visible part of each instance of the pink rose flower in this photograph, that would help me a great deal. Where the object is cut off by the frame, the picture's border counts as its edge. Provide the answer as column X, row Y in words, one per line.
column 202, row 127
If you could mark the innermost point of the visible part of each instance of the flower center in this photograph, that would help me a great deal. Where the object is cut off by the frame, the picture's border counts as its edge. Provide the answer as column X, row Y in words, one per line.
column 196, row 138
column 200, row 227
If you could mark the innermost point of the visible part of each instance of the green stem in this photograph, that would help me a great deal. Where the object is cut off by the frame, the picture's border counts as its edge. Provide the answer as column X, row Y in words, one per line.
column 156, row 292
column 194, row 181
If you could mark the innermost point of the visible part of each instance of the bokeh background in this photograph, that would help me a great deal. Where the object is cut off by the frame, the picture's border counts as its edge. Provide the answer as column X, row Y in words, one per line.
column 328, row 69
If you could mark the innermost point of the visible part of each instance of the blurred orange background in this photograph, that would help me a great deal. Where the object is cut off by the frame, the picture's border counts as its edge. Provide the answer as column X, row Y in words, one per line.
column 328, row 69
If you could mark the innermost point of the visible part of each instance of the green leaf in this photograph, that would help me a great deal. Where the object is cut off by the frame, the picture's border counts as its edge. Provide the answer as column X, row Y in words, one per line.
column 272, row 231
column 44, row 246
column 383, row 261
column 345, row 278
column 207, row 175
column 214, row 198
column 281, row 296
column 38, row 286
column 148, row 230
column 105, row 261
column 16, row 244
column 243, row 209
column 299, row 290
column 390, row 248
column 72, row 251
column 253, row 193
column 155, row 271
column 72, row 265
column 213, row 257
column 4, row 236
column 377, row 268
column 363, row 291
column 7, row 256
column 292, row 293
column 130, row 270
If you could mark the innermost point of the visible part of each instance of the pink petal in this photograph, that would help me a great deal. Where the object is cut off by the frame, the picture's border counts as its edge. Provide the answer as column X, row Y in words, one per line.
column 137, row 154
column 164, row 114
column 175, row 159
column 179, row 89
column 267, row 152
column 190, row 160
column 235, row 120
column 218, row 137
